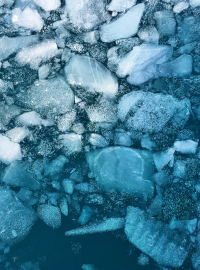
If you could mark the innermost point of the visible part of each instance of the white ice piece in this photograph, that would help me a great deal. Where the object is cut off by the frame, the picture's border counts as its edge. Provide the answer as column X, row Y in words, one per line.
column 186, row 147
column 34, row 55
column 9, row 151
column 28, row 18
column 120, row 5
column 32, row 119
column 161, row 159
column 17, row 134
column 48, row 5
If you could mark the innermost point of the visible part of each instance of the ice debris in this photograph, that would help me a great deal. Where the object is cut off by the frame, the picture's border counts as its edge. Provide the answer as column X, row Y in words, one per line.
column 110, row 224
column 17, row 134
column 186, row 147
column 123, row 169
column 71, row 142
column 32, row 119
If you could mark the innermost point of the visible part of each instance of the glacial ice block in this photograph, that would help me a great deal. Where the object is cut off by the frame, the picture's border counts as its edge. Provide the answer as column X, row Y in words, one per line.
column 123, row 169
column 123, row 27
column 155, row 238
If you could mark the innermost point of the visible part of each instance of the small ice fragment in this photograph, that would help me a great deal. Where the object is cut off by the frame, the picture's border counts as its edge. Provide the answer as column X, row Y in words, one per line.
column 186, row 147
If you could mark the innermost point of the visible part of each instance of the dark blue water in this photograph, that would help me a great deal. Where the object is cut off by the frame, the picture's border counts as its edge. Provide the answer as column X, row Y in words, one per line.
column 54, row 251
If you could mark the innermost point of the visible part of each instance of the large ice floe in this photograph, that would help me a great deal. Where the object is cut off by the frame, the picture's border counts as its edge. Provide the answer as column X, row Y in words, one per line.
column 99, row 133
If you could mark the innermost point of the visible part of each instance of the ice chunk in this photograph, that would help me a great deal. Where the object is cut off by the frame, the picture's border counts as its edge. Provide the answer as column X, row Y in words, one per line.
column 55, row 166
column 78, row 128
column 123, row 27
column 16, row 175
column 17, row 134
column 15, row 219
column 186, row 147
column 7, row 3
column 43, row 98
column 43, row 72
column 5, row 85
column 156, row 207
column 64, row 207
column 162, row 178
column 149, row 34
column 86, row 14
column 123, row 169
column 97, row 140
column 161, row 159
column 155, row 238
column 24, row 194
column 68, row 186
column 86, row 188
column 10, row 151
column 48, row 5
column 194, row 3
column 8, row 112
column 122, row 138
column 180, row 67
column 165, row 22
column 185, row 226
column 181, row 6
column 91, row 75
column 103, row 112
column 28, row 18
column 180, row 169
column 110, row 224
column 147, row 143
column 141, row 57
column 36, row 54
column 86, row 215
column 151, row 111
column 71, row 142
column 32, row 119
column 12, row 45
column 50, row 215
column 120, row 5
column 188, row 29
column 90, row 37
column 65, row 121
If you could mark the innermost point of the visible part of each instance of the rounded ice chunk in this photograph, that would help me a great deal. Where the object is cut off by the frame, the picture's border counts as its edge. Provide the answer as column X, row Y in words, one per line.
column 123, row 169
column 50, row 215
